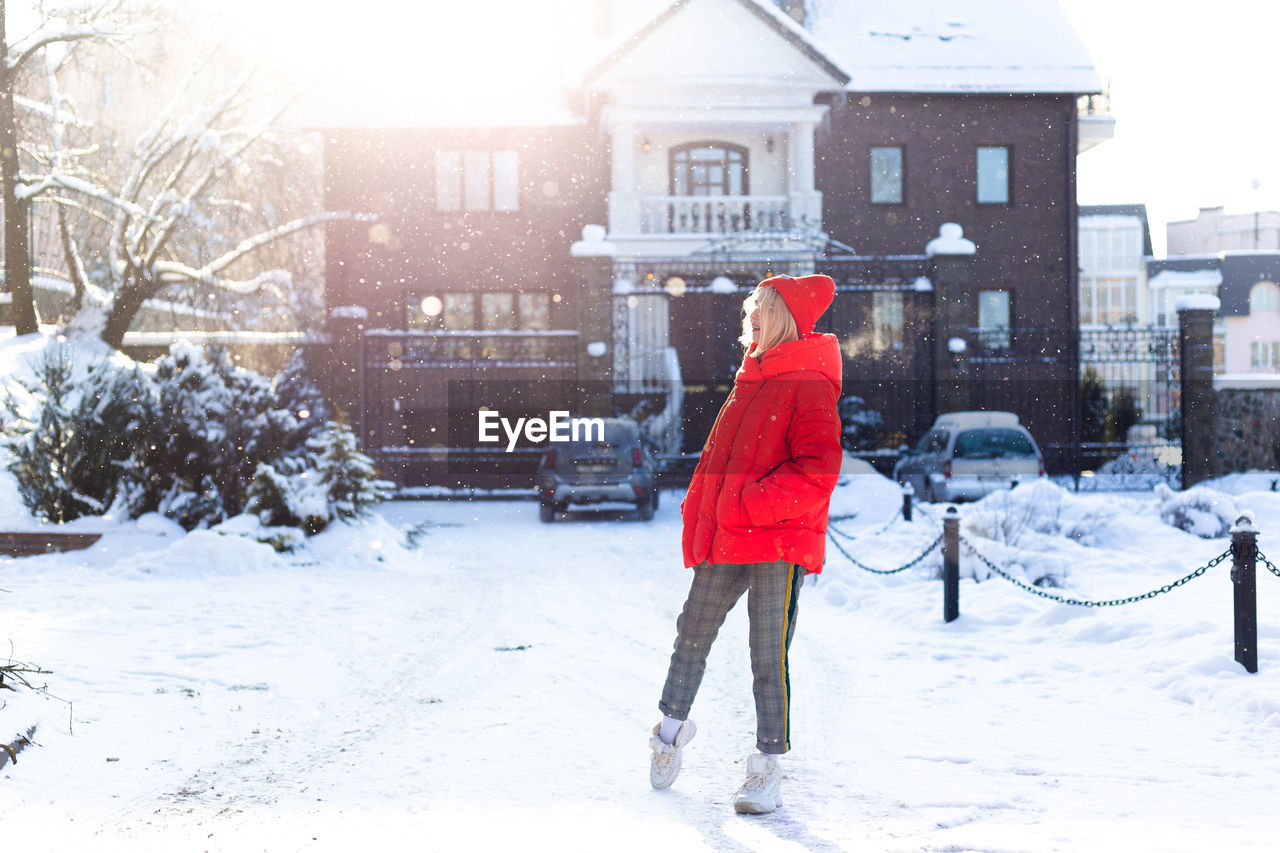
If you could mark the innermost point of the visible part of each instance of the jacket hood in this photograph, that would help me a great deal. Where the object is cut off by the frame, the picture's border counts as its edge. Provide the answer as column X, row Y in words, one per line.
column 807, row 297
column 818, row 352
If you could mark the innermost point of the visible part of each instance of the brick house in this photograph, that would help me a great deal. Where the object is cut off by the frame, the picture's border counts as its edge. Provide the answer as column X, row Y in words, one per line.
column 723, row 141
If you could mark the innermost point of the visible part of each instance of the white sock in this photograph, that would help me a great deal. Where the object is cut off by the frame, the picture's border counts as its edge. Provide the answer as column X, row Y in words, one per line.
column 772, row 759
column 669, row 729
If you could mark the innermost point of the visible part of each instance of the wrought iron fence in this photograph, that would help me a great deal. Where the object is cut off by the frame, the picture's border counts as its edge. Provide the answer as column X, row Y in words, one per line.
column 1145, row 362
column 406, row 350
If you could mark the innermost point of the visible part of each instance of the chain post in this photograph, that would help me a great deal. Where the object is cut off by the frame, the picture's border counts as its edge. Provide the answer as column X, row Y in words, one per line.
column 1244, row 564
column 951, row 565
column 907, row 493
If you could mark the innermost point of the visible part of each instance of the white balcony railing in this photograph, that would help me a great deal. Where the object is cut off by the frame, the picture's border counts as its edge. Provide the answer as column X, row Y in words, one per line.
column 713, row 214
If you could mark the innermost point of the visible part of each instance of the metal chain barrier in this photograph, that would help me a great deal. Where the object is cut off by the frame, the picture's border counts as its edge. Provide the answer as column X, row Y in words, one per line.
column 1115, row 602
column 926, row 552
column 1271, row 567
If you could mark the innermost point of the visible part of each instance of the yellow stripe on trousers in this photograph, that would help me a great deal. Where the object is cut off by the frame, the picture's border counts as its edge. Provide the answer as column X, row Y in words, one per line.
column 786, row 679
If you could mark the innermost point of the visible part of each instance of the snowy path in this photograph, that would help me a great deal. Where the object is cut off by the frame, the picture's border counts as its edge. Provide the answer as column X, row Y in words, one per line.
column 493, row 690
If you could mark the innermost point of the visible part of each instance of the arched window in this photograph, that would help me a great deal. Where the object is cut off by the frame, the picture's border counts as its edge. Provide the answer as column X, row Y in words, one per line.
column 709, row 168
column 1264, row 296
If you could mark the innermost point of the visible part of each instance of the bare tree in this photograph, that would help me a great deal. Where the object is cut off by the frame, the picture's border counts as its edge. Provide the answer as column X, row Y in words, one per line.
column 103, row 21
column 184, row 211
column 168, row 211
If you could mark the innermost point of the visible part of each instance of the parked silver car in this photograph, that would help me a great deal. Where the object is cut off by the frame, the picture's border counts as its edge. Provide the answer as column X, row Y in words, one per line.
column 968, row 455
column 598, row 472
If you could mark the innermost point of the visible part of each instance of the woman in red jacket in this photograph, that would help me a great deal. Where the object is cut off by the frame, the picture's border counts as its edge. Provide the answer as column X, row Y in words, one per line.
column 755, row 519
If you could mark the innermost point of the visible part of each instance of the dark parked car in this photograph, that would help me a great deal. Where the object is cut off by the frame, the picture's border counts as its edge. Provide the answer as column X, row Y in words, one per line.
column 600, row 472
column 968, row 455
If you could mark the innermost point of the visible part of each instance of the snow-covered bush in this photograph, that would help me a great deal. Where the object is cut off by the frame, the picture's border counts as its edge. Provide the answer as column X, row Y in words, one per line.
column 289, row 500
column 352, row 483
column 1204, row 512
column 860, row 428
column 1008, row 516
column 74, row 444
column 192, row 445
column 199, row 441
column 43, row 451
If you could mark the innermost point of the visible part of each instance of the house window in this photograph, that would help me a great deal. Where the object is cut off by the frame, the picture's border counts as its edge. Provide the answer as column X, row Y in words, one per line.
column 1264, row 296
column 886, row 320
column 477, row 180
column 886, row 175
column 448, row 180
column 424, row 312
column 709, row 168
column 506, row 181
column 459, row 311
column 497, row 311
column 993, row 319
column 1108, row 300
column 535, row 312
column 487, row 311
column 993, row 174
column 1265, row 355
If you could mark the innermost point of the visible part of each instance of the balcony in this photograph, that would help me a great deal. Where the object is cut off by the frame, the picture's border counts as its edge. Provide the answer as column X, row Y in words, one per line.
column 1094, row 121
column 713, row 214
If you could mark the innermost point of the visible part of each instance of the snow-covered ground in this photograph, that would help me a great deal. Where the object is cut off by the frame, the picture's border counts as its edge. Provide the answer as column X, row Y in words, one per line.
column 488, row 683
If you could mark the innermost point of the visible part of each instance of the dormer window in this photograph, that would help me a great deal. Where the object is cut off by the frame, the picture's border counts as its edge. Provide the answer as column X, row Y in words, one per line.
column 709, row 169
column 1264, row 296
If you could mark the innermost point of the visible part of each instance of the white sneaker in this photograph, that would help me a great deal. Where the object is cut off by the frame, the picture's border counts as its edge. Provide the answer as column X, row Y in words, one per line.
column 664, row 764
column 762, row 792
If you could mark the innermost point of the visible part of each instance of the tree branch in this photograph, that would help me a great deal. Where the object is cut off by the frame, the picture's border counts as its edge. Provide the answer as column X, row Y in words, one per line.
column 71, row 34
column 172, row 272
column 75, row 264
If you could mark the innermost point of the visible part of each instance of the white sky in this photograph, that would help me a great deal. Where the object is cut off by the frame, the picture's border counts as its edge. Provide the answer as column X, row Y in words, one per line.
column 1194, row 92
column 1193, row 83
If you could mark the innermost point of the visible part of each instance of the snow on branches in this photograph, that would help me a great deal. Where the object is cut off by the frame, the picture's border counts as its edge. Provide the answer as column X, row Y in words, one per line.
column 169, row 212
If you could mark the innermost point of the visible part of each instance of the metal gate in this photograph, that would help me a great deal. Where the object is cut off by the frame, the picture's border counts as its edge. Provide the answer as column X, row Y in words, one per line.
column 1130, row 376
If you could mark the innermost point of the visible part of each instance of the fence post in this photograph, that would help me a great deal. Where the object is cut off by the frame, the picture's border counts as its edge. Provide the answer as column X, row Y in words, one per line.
column 951, row 566
column 1244, row 561
column 907, row 492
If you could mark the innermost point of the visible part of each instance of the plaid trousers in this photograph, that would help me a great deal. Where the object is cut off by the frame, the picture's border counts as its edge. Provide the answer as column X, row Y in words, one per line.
column 771, row 606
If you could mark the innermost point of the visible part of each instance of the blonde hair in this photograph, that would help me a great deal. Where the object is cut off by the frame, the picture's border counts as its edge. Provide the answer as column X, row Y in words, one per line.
column 777, row 326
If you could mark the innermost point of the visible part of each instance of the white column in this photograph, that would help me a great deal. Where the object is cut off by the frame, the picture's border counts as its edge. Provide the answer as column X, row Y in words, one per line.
column 623, row 137
column 801, row 139
column 806, row 202
column 624, row 201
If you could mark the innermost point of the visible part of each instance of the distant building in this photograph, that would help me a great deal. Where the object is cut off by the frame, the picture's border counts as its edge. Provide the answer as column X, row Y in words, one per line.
column 1213, row 231
column 1236, row 258
column 1114, row 240
column 1124, row 340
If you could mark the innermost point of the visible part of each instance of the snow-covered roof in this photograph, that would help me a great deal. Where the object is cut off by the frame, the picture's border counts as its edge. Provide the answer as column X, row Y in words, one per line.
column 996, row 46
column 519, row 65
column 764, row 11
column 1185, row 278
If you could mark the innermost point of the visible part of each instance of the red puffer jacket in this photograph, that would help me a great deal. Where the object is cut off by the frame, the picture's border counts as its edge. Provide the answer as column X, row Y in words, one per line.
column 764, row 480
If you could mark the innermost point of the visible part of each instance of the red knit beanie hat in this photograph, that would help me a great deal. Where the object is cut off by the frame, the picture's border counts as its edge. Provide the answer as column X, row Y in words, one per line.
column 806, row 297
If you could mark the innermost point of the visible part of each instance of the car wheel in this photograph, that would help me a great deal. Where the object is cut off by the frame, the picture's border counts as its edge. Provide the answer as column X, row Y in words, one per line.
column 655, row 498
column 546, row 513
column 645, row 508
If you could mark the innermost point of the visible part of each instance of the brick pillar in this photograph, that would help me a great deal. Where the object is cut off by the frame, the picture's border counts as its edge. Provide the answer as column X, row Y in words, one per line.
column 592, row 264
column 953, row 313
column 343, row 381
column 1195, row 325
